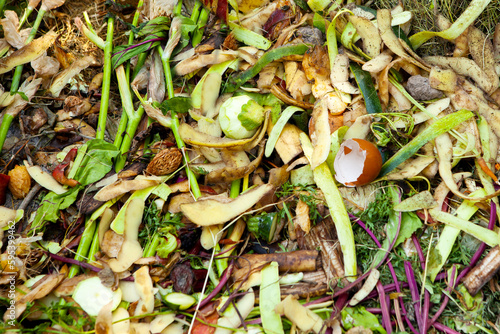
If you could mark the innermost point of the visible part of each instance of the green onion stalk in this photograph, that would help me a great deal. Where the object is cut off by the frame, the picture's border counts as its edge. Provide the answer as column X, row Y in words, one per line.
column 106, row 82
column 195, row 188
column 27, row 12
column 202, row 21
column 124, row 139
column 122, row 126
column 16, row 79
column 84, row 246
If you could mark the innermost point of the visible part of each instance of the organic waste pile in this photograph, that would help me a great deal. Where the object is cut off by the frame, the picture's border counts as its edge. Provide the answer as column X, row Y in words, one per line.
column 248, row 166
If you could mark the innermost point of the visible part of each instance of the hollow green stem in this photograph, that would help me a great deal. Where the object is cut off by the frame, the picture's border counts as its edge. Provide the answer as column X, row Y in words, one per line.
column 16, row 79
column 94, row 246
column 195, row 14
column 2, row 4
column 132, row 126
column 26, row 14
column 235, row 189
column 106, row 82
column 150, row 249
column 195, row 188
column 202, row 21
column 83, row 247
column 177, row 8
column 4, row 128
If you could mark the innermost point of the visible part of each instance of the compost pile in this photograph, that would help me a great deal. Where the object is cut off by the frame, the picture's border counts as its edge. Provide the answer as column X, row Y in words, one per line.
column 248, row 166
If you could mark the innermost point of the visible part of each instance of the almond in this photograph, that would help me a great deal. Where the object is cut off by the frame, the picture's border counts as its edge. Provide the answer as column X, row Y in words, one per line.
column 165, row 162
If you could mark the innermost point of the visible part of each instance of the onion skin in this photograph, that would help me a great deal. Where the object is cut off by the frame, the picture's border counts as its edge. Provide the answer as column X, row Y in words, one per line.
column 372, row 163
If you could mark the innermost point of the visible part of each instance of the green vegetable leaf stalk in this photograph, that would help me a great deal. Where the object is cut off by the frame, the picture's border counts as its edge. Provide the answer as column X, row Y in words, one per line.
column 106, row 83
column 195, row 188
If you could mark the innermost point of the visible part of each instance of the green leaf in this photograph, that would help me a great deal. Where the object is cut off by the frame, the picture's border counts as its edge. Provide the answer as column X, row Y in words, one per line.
column 179, row 104
column 50, row 206
column 154, row 26
column 123, row 53
column 97, row 161
column 410, row 223
column 359, row 316
column 367, row 87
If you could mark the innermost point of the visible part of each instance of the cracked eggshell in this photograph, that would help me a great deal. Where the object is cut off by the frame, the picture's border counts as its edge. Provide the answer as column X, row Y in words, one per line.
column 358, row 162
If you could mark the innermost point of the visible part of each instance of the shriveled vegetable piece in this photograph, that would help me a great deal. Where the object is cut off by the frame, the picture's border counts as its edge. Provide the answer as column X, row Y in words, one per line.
column 378, row 63
column 228, row 174
column 489, row 237
column 483, row 272
column 321, row 135
column 201, row 60
column 466, row 67
column 131, row 250
column 45, row 179
column 390, row 39
column 372, row 43
column 422, row 200
column 481, row 50
column 121, row 187
column 278, row 127
column 270, row 56
column 368, row 286
column 324, row 180
column 211, row 212
column 468, row 16
column 65, row 76
column 269, row 298
column 437, row 128
column 304, row 318
column 106, row 219
column 28, row 53
column 231, row 318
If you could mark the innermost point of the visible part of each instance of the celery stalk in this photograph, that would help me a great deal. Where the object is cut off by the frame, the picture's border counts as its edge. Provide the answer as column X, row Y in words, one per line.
column 324, row 180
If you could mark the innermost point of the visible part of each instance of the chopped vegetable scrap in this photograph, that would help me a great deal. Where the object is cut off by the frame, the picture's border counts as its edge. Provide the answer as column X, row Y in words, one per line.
column 270, row 166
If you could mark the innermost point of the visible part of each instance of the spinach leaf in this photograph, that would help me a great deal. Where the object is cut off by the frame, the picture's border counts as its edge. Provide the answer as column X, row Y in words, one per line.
column 97, row 163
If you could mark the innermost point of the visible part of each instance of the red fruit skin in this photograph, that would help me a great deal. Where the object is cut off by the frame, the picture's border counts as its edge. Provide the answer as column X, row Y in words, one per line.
column 4, row 182
column 59, row 172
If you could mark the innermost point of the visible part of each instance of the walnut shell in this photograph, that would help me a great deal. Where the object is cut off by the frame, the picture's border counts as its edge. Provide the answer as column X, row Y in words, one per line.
column 165, row 162
column 20, row 182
